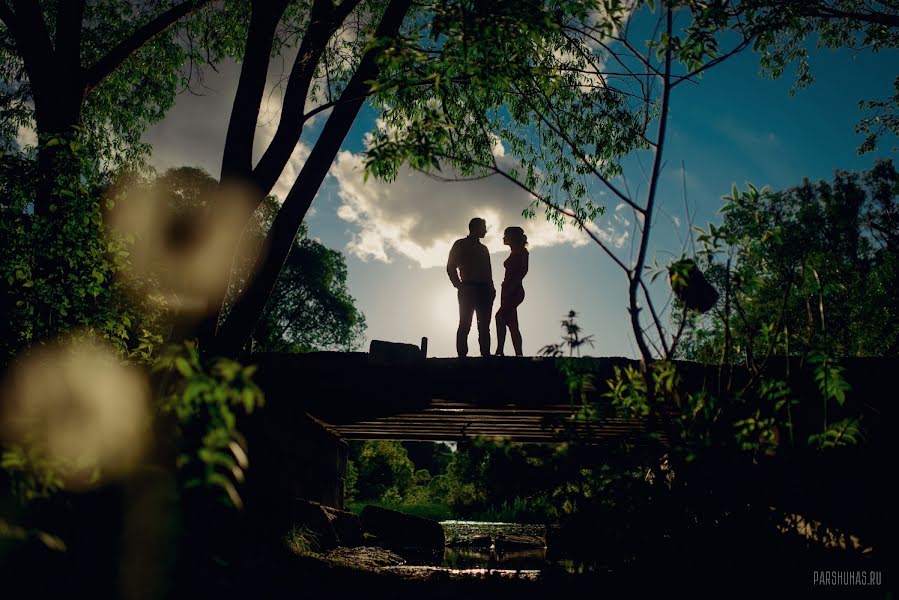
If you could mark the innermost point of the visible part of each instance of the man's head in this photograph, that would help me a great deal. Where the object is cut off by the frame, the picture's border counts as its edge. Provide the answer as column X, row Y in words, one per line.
column 477, row 227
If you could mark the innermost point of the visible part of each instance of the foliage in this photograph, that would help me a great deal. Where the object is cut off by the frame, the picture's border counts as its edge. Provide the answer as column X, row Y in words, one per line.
column 31, row 475
column 755, row 418
column 381, row 467
column 205, row 400
column 572, row 338
column 67, row 264
column 885, row 120
column 509, row 93
column 116, row 111
column 302, row 540
column 808, row 268
column 483, row 480
column 783, row 32
column 311, row 307
column 437, row 511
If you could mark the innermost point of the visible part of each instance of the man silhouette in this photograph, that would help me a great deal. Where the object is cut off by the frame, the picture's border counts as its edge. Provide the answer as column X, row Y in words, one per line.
column 469, row 270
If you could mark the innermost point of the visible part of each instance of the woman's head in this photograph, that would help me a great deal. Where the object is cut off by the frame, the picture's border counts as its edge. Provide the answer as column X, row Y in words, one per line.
column 514, row 236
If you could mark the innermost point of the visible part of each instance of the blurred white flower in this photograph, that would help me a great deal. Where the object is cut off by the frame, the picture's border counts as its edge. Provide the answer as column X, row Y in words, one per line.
column 188, row 250
column 76, row 405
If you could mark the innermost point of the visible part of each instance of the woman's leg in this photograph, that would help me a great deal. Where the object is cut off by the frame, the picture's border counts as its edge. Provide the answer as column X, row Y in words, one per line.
column 500, row 332
column 514, row 332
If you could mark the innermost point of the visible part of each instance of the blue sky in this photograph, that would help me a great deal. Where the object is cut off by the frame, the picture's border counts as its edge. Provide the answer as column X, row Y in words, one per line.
column 732, row 127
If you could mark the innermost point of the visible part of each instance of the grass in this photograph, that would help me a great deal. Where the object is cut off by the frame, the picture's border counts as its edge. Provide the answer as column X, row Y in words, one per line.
column 302, row 541
column 520, row 510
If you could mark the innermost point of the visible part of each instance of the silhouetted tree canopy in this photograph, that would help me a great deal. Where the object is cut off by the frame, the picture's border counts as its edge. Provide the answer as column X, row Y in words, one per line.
column 812, row 267
column 310, row 307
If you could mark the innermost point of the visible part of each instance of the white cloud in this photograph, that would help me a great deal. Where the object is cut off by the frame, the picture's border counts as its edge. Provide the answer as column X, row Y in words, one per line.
column 193, row 133
column 264, row 134
column 420, row 217
column 25, row 137
column 746, row 137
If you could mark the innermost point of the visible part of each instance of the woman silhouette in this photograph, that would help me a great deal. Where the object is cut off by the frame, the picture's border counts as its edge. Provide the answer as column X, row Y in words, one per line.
column 512, row 291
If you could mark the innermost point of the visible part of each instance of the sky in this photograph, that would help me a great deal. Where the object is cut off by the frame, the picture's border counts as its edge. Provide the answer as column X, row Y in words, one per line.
column 732, row 127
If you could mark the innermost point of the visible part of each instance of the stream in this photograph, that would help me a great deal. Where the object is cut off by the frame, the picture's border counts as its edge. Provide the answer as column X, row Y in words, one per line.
column 468, row 550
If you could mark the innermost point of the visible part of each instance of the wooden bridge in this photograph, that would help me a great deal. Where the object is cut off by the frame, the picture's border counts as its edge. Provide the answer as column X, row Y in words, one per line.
column 315, row 402
column 360, row 396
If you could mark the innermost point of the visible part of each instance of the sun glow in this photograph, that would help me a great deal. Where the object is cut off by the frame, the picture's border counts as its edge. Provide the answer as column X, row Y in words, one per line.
column 445, row 306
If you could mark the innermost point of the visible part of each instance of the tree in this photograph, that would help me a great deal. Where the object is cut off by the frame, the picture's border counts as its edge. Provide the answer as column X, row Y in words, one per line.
column 565, row 127
column 782, row 33
column 310, row 307
column 76, row 72
column 344, row 92
column 814, row 267
column 405, row 50
column 79, row 66
column 381, row 466
column 346, row 53
column 567, row 122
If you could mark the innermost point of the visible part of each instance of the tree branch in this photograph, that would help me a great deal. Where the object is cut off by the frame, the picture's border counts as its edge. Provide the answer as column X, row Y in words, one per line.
column 689, row 76
column 33, row 43
column 650, row 198
column 827, row 12
column 552, row 205
column 580, row 155
column 100, row 70
column 655, row 316
column 241, row 321
column 323, row 23
column 238, row 152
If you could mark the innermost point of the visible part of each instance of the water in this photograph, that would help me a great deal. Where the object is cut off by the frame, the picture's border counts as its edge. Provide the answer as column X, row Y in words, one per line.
column 476, row 547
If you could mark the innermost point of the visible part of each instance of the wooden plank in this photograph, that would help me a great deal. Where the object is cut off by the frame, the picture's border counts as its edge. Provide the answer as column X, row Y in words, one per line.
column 444, row 437
column 497, row 423
column 473, row 432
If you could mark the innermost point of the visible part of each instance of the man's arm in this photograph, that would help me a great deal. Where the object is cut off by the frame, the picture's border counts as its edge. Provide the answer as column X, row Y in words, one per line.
column 452, row 266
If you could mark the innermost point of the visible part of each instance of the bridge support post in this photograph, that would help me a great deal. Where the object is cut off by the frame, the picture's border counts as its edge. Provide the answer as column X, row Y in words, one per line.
column 290, row 458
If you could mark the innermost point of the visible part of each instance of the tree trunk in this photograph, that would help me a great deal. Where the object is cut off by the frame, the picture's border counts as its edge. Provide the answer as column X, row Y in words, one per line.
column 237, row 156
column 234, row 333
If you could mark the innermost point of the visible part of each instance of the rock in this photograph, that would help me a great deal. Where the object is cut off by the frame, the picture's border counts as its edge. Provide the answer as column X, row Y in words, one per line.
column 399, row 530
column 477, row 542
column 332, row 527
column 506, row 542
column 316, row 519
column 347, row 526
column 366, row 557
column 392, row 353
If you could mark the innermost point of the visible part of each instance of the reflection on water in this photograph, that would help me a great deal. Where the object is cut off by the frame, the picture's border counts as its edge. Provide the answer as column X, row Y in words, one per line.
column 475, row 548
column 479, row 545
column 458, row 558
column 526, row 574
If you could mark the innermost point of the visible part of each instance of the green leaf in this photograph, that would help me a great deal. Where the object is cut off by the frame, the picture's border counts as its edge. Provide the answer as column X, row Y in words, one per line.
column 183, row 366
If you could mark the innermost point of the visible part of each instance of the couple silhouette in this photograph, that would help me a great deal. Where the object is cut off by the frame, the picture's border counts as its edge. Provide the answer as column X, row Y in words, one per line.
column 469, row 270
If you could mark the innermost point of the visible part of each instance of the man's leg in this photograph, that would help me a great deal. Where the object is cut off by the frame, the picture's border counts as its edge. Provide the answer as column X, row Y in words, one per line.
column 466, row 311
column 484, row 308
